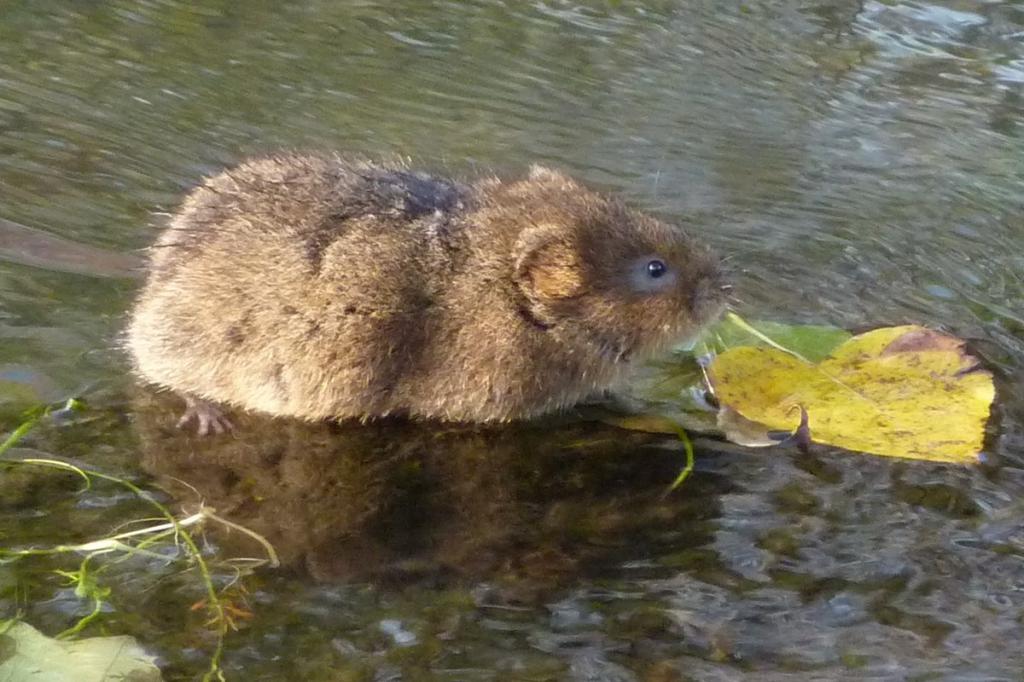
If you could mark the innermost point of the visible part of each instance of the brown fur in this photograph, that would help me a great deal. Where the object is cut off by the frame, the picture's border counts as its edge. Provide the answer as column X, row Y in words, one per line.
column 317, row 287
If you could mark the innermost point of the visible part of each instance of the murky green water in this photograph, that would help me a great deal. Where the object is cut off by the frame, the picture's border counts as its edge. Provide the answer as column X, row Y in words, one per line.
column 861, row 162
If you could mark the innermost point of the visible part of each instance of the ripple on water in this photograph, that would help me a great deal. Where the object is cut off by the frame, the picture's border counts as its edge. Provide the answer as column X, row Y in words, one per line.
column 859, row 161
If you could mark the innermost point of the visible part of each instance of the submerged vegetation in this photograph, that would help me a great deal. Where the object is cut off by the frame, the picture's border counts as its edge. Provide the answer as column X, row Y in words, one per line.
column 164, row 538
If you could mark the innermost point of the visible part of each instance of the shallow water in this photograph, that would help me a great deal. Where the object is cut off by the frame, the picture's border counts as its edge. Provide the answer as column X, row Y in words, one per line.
column 860, row 163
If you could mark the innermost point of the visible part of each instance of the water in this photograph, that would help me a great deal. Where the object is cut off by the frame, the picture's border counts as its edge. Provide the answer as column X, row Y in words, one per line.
column 860, row 163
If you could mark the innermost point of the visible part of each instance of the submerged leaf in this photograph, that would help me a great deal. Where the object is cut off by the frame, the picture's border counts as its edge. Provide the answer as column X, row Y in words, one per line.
column 897, row 391
column 27, row 654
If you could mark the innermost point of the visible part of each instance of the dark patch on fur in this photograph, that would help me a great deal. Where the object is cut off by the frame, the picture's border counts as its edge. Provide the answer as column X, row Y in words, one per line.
column 401, row 194
column 277, row 377
column 425, row 194
column 533, row 320
column 314, row 246
column 408, row 194
column 237, row 333
column 355, row 310
column 234, row 335
column 289, row 310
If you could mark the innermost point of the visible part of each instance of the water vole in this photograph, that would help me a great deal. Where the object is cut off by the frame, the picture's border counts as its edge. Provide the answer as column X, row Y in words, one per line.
column 318, row 287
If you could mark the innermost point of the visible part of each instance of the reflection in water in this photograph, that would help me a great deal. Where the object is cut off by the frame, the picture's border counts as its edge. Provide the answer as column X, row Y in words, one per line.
column 558, row 539
column 395, row 501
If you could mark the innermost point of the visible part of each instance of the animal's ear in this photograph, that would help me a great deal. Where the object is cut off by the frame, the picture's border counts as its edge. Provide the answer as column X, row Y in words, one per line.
column 547, row 264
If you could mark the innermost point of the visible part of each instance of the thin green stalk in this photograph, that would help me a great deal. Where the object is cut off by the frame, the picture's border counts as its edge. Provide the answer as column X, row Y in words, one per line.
column 18, row 434
column 33, row 417
column 742, row 324
column 86, row 586
column 685, row 473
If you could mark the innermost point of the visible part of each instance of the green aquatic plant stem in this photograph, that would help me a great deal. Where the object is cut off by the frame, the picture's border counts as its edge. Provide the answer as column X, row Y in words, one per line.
column 86, row 587
column 19, row 433
column 685, row 473
column 33, row 417
column 214, row 672
column 214, row 604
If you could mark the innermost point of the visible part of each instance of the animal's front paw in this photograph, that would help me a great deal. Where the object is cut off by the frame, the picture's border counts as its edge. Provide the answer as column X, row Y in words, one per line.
column 208, row 416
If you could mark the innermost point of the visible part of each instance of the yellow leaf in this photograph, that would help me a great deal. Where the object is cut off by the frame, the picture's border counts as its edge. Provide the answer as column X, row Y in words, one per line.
column 897, row 391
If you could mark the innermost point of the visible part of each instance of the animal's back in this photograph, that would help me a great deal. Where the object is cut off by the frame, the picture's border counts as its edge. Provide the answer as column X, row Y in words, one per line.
column 297, row 282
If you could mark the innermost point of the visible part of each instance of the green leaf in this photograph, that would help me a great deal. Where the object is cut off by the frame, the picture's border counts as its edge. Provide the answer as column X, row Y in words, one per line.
column 812, row 342
column 27, row 655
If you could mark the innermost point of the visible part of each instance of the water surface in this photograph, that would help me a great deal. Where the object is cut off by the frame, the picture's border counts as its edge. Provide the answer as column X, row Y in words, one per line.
column 859, row 162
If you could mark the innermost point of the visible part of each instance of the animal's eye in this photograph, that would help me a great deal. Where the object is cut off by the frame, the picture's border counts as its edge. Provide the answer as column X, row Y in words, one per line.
column 649, row 274
column 656, row 269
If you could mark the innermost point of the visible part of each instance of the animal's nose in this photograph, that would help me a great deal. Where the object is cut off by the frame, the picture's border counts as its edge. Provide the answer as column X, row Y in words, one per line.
column 710, row 293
